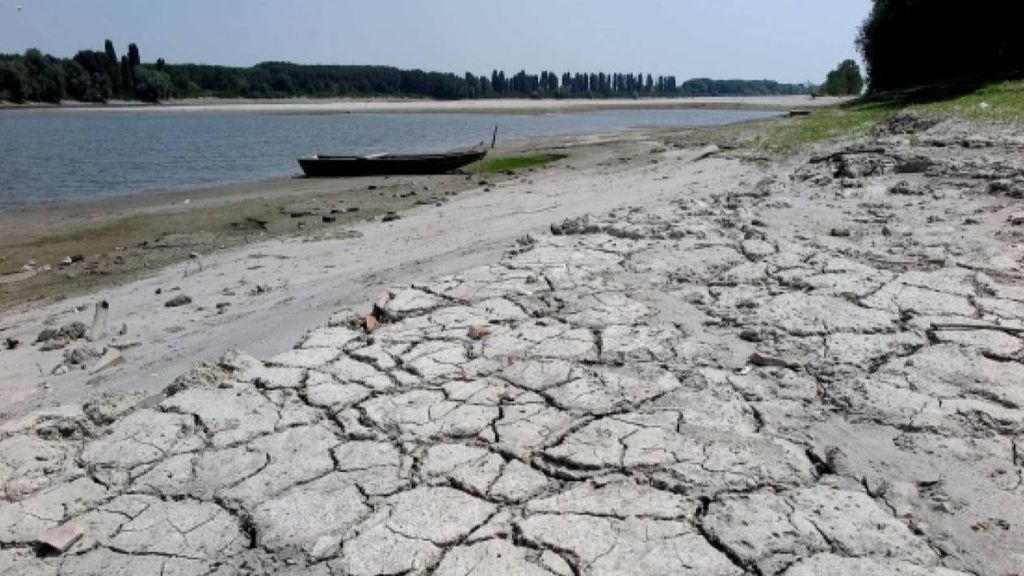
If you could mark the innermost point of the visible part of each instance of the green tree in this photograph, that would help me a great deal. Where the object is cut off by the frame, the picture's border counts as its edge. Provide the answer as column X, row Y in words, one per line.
column 111, row 69
column 134, row 59
column 125, row 78
column 45, row 77
column 152, row 85
column 845, row 80
column 100, row 89
column 907, row 43
column 78, row 80
column 111, row 53
column 13, row 81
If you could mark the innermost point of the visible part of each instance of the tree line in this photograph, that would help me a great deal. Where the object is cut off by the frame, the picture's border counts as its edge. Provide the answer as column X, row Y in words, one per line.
column 99, row 76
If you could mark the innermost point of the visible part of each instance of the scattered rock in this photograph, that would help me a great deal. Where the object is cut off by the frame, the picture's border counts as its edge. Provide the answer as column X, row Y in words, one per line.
column 908, row 122
column 107, row 407
column 838, row 462
column 371, row 323
column 914, row 164
column 112, row 357
column 759, row 359
column 63, row 335
column 390, row 217
column 750, row 335
column 80, row 357
column 570, row 226
column 62, row 537
column 840, row 232
column 904, row 188
column 179, row 300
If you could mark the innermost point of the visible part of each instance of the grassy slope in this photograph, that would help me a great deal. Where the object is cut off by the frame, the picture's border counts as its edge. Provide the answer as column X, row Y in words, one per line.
column 997, row 102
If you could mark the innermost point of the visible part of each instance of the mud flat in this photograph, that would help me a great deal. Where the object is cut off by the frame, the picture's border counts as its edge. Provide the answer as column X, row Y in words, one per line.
column 660, row 363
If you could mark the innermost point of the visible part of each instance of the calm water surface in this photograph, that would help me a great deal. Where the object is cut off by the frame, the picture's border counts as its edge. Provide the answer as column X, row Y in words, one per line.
column 75, row 155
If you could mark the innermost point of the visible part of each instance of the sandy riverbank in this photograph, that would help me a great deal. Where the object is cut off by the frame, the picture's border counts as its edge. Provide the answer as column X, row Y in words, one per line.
column 137, row 254
column 512, row 106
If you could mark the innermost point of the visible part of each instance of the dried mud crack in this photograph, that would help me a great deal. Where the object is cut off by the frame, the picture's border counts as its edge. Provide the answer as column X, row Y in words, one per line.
column 587, row 405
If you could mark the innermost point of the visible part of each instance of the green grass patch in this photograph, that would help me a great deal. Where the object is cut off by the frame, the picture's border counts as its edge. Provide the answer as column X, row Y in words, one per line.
column 788, row 135
column 517, row 162
column 1003, row 101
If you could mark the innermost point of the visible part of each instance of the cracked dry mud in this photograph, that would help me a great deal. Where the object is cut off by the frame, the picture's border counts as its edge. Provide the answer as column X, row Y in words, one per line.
column 606, row 421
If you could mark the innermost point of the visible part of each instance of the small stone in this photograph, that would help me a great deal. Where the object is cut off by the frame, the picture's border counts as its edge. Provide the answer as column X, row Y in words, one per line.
column 759, row 359
column 11, row 343
column 840, row 232
column 838, row 462
column 478, row 332
column 66, row 333
column 179, row 300
column 370, row 323
column 390, row 217
column 62, row 537
column 112, row 357
column 328, row 219
column 750, row 335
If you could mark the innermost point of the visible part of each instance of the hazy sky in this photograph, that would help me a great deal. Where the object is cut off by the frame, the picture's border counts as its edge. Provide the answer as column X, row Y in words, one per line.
column 786, row 40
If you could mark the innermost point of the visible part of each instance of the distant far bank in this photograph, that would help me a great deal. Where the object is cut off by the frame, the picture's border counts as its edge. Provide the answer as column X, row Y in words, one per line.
column 368, row 105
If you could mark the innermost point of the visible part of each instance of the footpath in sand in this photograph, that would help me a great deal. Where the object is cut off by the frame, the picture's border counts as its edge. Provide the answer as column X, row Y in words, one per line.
column 814, row 368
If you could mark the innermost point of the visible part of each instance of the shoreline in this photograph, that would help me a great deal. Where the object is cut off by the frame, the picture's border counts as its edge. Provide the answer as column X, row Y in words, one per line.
column 277, row 279
column 386, row 105
column 124, row 238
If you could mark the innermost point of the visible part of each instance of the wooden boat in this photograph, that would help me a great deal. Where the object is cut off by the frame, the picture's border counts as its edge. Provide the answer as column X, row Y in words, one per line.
column 320, row 166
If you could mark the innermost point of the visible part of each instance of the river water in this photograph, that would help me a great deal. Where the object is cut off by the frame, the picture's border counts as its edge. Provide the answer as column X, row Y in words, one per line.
column 49, row 156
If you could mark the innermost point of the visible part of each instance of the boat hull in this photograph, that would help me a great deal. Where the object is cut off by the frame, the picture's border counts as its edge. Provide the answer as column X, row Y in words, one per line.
column 346, row 166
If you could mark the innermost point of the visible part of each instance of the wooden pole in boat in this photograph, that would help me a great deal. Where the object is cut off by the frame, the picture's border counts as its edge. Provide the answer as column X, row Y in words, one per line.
column 494, row 139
